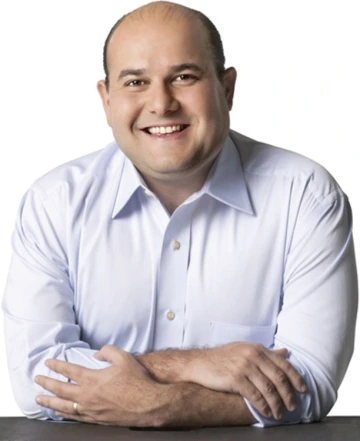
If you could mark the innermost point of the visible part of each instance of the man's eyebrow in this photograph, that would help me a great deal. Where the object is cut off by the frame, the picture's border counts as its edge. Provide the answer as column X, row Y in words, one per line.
column 173, row 69
column 131, row 72
column 186, row 66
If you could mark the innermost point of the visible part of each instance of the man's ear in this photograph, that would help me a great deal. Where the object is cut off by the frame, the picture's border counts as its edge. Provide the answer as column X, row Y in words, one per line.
column 229, row 80
column 104, row 95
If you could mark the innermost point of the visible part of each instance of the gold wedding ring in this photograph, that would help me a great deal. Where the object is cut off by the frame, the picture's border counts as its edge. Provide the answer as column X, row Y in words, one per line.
column 76, row 408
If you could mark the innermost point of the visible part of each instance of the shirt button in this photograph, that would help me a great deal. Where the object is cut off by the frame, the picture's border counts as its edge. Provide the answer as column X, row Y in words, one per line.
column 175, row 245
column 170, row 315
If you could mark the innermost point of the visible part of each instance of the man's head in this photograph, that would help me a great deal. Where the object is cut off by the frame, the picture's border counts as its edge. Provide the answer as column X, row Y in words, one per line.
column 215, row 45
column 167, row 99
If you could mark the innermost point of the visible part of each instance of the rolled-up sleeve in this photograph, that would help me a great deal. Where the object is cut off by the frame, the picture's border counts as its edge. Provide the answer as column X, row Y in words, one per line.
column 38, row 304
column 317, row 319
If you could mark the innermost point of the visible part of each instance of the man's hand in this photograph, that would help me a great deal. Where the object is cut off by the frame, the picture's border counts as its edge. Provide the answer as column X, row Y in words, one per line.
column 123, row 394
column 262, row 376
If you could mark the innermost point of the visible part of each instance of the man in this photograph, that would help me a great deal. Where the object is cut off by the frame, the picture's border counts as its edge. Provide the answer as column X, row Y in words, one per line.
column 211, row 277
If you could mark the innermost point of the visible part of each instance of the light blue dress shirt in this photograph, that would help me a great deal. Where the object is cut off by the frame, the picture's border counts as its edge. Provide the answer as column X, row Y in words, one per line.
column 262, row 253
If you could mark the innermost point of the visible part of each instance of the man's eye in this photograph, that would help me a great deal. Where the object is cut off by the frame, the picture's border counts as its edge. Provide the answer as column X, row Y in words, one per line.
column 186, row 78
column 134, row 83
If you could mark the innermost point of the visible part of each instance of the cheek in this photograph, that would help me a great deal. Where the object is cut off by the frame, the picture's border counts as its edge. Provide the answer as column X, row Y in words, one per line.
column 213, row 105
column 215, row 114
column 216, row 123
column 124, row 113
column 220, row 113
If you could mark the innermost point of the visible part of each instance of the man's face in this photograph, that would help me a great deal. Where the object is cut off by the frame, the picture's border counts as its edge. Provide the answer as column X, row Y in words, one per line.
column 168, row 109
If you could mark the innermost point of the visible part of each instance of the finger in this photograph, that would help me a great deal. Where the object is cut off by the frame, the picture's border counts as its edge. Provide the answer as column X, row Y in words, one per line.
column 112, row 354
column 268, row 391
column 277, row 381
column 66, row 391
column 98, row 356
column 254, row 396
column 79, row 418
column 69, row 370
column 292, row 374
column 57, row 404
column 283, row 352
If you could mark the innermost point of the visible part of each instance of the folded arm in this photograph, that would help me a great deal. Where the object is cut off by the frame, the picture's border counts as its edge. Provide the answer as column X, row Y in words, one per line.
column 126, row 395
column 319, row 304
column 38, row 304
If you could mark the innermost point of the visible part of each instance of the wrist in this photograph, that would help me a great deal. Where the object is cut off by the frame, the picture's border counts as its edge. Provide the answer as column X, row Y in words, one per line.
column 176, row 405
column 161, row 412
column 191, row 367
column 170, row 366
column 195, row 365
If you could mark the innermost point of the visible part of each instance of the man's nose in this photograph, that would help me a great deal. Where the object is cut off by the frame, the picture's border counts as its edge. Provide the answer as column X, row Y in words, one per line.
column 162, row 100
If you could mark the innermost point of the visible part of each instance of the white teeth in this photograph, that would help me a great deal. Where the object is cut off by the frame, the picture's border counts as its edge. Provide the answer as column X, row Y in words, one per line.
column 163, row 130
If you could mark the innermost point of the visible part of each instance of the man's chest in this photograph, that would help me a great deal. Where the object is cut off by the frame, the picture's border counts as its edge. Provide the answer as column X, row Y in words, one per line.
column 204, row 277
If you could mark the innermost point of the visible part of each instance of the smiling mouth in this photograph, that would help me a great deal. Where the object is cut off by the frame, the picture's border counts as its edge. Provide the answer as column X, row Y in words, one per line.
column 165, row 130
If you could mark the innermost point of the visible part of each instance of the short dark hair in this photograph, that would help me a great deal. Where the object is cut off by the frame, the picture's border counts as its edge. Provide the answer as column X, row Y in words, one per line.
column 215, row 42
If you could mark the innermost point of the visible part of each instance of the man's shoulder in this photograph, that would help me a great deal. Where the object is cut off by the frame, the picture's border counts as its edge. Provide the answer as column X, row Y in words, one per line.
column 262, row 158
column 264, row 161
column 80, row 172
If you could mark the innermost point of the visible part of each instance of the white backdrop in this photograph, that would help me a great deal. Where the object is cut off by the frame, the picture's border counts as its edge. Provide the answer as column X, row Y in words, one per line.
column 298, row 87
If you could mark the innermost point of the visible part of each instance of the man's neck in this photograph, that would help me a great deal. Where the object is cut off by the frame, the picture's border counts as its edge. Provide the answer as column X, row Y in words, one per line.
column 172, row 193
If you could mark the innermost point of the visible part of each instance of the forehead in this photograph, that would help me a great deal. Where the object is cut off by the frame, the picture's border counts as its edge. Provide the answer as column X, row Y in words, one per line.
column 154, row 39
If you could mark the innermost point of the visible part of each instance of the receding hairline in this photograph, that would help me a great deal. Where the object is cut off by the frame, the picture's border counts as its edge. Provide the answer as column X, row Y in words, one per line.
column 166, row 11
column 160, row 9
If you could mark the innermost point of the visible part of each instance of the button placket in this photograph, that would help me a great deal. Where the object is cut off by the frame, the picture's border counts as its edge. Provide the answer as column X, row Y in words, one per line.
column 172, row 279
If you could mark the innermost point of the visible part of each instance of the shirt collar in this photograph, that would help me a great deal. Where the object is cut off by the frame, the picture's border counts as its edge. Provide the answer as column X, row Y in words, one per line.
column 226, row 181
column 130, row 180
